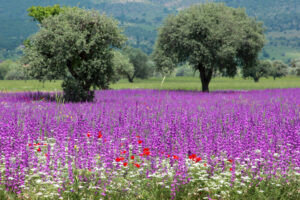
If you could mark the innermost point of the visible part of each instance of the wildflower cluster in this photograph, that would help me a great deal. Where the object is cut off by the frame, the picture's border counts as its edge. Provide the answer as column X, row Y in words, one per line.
column 151, row 144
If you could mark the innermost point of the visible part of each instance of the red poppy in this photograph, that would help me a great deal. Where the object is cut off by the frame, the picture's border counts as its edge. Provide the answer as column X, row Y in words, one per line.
column 204, row 164
column 146, row 149
column 99, row 134
column 137, row 165
column 140, row 141
column 132, row 157
column 123, row 152
column 39, row 149
column 169, row 156
column 125, row 164
column 46, row 155
column 230, row 160
column 88, row 135
column 90, row 170
column 146, row 152
column 175, row 157
column 193, row 156
column 198, row 159
column 118, row 159
column 29, row 145
column 122, row 158
column 230, row 169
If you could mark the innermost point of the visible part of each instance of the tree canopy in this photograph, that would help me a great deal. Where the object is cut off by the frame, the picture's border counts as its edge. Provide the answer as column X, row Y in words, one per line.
column 278, row 69
column 210, row 37
column 77, row 46
column 39, row 13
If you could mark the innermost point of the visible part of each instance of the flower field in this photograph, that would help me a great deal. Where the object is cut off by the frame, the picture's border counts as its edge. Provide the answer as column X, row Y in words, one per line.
column 149, row 144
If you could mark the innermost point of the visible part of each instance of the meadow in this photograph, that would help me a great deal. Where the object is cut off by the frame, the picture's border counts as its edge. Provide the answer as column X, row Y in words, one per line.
column 152, row 144
column 170, row 83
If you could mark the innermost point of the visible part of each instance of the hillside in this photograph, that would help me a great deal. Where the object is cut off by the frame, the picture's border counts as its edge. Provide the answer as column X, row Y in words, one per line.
column 141, row 18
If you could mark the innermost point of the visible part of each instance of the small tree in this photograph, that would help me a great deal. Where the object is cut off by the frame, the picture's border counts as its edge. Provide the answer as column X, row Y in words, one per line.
column 141, row 64
column 122, row 66
column 4, row 68
column 278, row 69
column 261, row 69
column 16, row 72
column 211, row 37
column 77, row 46
column 296, row 65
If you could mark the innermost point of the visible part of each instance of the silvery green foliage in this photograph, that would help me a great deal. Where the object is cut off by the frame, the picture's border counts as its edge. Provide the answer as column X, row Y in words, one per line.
column 141, row 63
column 11, row 70
column 122, row 66
column 295, row 64
column 74, row 45
column 4, row 68
column 210, row 37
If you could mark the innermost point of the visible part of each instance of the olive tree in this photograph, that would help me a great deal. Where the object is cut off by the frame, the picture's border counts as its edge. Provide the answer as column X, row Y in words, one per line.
column 295, row 64
column 278, row 69
column 77, row 46
column 140, row 62
column 262, row 68
column 211, row 37
column 122, row 66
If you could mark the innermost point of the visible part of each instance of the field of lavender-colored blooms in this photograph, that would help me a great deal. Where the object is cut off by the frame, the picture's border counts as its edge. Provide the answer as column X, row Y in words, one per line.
column 150, row 144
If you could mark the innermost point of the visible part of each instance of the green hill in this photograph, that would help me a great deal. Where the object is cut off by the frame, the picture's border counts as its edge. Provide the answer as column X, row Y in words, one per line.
column 141, row 18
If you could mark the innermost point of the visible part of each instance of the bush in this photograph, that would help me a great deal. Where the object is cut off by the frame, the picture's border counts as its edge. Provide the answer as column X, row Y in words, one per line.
column 4, row 68
column 10, row 70
column 185, row 70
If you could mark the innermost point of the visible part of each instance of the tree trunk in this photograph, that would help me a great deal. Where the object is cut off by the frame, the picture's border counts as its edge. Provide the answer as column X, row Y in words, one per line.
column 256, row 80
column 130, row 79
column 205, row 76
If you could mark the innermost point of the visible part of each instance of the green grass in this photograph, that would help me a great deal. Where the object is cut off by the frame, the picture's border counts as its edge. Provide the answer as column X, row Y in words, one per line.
column 173, row 83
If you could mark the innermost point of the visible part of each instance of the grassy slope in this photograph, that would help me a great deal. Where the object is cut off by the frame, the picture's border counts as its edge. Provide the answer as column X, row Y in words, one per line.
column 177, row 83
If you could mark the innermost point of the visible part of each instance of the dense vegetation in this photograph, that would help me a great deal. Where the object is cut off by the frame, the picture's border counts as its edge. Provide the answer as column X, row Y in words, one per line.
column 141, row 18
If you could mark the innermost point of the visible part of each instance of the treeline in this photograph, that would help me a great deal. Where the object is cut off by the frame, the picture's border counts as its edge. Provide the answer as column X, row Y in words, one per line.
column 141, row 19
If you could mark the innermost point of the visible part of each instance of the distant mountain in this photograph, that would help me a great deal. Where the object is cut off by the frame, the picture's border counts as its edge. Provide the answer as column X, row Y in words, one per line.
column 141, row 18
